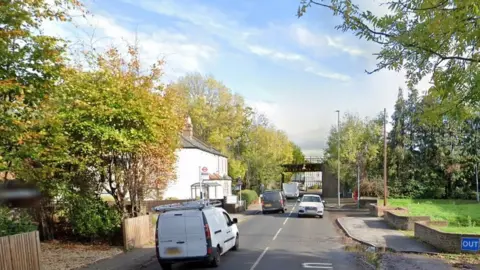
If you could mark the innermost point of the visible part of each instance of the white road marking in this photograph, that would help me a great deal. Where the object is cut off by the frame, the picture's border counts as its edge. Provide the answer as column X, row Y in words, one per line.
column 289, row 214
column 317, row 265
column 259, row 258
column 275, row 237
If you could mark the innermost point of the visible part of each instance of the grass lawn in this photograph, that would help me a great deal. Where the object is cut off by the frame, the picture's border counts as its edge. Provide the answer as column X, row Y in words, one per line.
column 462, row 216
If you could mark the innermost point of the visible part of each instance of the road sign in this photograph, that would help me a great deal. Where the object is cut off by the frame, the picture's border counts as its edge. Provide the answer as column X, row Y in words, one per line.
column 470, row 244
column 204, row 171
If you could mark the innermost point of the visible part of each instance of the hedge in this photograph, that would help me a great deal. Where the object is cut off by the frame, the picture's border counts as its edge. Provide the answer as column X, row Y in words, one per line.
column 249, row 196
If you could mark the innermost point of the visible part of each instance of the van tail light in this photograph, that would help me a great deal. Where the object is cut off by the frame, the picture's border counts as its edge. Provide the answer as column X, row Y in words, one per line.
column 207, row 232
column 263, row 203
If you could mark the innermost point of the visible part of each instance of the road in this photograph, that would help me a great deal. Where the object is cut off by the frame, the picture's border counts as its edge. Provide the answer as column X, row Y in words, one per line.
column 283, row 241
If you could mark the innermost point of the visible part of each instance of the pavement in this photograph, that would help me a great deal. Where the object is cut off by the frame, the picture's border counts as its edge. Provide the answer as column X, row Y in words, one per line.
column 267, row 242
column 374, row 231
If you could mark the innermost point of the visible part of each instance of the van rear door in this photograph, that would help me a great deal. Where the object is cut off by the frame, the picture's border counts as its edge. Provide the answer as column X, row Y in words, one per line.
column 195, row 230
column 172, row 239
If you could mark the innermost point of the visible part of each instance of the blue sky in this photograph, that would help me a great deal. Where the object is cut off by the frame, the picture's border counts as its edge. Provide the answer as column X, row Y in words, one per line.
column 296, row 71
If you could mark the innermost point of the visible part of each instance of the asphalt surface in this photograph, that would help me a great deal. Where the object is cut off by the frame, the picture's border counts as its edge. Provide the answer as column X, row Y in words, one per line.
column 283, row 241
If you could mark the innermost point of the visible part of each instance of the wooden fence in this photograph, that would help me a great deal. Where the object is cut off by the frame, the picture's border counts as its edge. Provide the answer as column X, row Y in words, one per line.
column 136, row 232
column 20, row 251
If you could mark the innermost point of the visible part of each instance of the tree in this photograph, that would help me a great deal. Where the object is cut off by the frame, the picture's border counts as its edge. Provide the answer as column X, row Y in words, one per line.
column 424, row 37
column 298, row 156
column 30, row 65
column 222, row 119
column 123, row 126
column 31, row 141
column 361, row 144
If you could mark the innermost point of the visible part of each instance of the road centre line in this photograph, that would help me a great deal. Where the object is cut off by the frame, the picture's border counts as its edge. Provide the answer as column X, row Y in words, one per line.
column 275, row 237
column 259, row 258
column 291, row 211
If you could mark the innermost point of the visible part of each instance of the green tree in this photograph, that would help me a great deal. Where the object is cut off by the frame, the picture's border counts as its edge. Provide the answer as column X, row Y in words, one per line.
column 360, row 144
column 122, row 124
column 30, row 67
column 298, row 156
column 255, row 148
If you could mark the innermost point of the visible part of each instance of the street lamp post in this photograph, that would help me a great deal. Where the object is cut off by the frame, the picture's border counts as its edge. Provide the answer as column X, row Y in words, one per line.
column 338, row 157
column 475, row 126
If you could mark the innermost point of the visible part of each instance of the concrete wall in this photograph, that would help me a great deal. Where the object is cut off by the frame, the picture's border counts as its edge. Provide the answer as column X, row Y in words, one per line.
column 400, row 220
column 447, row 242
column 329, row 183
column 378, row 211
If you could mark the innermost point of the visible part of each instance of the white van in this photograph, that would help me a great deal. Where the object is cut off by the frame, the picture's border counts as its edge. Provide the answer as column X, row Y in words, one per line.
column 194, row 231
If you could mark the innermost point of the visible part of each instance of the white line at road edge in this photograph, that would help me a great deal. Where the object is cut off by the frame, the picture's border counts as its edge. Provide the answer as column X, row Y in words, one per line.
column 295, row 205
column 275, row 237
column 259, row 258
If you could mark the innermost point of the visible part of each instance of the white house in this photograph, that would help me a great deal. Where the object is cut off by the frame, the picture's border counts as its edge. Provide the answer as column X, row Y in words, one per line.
column 194, row 154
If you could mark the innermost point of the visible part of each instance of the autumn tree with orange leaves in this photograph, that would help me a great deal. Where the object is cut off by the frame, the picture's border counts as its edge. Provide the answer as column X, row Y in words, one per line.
column 123, row 124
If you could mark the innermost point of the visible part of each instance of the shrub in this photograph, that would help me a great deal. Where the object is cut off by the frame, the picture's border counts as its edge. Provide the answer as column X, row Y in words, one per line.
column 91, row 217
column 249, row 196
column 15, row 222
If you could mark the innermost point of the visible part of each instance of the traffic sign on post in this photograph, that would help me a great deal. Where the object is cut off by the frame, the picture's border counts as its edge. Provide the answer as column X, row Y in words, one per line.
column 204, row 173
column 470, row 244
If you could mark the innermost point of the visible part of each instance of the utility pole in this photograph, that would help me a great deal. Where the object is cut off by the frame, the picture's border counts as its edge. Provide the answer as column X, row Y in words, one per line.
column 338, row 157
column 385, row 189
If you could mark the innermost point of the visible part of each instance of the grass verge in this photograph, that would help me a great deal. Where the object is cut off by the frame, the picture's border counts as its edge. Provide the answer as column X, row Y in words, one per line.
column 463, row 216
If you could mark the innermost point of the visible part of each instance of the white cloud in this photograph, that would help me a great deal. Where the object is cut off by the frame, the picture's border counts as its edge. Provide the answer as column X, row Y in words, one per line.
column 323, row 44
column 181, row 53
column 218, row 24
column 262, row 51
column 333, row 76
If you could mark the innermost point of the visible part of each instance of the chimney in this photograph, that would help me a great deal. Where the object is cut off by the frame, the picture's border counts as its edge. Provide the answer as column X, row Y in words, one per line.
column 188, row 129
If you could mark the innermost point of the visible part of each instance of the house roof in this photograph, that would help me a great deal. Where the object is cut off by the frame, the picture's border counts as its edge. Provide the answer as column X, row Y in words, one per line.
column 193, row 142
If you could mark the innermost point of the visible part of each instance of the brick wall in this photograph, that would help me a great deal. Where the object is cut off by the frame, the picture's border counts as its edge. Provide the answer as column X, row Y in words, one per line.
column 447, row 242
column 400, row 220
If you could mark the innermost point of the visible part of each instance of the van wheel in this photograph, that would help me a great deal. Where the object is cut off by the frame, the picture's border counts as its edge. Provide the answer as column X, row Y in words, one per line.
column 166, row 266
column 216, row 258
column 237, row 243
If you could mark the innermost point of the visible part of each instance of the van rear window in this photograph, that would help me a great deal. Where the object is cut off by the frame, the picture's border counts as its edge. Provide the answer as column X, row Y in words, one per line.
column 173, row 225
column 271, row 196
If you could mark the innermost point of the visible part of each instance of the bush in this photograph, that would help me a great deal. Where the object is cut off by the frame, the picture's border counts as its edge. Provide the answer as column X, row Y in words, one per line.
column 91, row 217
column 15, row 222
column 249, row 196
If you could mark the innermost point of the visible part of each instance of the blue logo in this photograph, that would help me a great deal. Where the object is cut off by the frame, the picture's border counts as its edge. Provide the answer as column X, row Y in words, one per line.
column 470, row 244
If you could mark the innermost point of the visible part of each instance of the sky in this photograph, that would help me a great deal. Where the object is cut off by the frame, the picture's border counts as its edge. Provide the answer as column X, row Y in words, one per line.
column 297, row 71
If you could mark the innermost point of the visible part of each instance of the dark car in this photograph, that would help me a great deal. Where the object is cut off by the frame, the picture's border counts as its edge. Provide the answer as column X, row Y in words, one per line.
column 274, row 201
